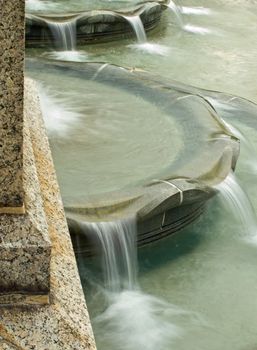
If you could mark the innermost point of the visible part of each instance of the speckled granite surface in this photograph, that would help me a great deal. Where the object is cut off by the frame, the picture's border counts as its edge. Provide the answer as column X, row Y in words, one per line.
column 25, row 246
column 11, row 104
column 64, row 323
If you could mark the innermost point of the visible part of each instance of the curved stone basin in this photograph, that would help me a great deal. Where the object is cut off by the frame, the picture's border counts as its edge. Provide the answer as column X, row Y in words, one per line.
column 154, row 151
column 66, row 6
column 92, row 26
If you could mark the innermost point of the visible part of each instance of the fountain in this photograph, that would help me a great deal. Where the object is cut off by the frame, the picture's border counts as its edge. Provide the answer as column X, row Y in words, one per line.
column 165, row 195
column 141, row 157
column 92, row 26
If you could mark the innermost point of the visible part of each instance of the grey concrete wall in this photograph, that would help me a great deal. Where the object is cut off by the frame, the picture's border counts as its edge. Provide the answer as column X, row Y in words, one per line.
column 11, row 105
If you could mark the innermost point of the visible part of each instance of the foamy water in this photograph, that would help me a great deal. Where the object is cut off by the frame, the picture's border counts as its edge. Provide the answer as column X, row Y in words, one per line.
column 132, row 320
column 196, row 29
column 135, row 321
column 199, row 11
column 75, row 56
column 59, row 117
column 151, row 48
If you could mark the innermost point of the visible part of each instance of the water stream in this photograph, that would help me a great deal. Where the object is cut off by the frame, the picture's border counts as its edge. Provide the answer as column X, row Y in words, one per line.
column 239, row 204
column 64, row 34
column 117, row 243
column 132, row 319
column 177, row 12
column 65, row 41
column 138, row 28
column 142, row 43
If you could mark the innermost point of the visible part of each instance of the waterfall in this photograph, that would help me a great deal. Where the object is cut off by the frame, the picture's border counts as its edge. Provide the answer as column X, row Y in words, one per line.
column 236, row 199
column 132, row 319
column 64, row 34
column 176, row 10
column 117, row 241
column 138, row 27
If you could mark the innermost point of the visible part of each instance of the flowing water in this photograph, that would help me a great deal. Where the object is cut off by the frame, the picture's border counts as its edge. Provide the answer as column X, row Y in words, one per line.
column 142, row 43
column 177, row 12
column 148, row 320
column 239, row 204
column 117, row 245
column 195, row 290
column 64, row 34
column 65, row 41
column 138, row 28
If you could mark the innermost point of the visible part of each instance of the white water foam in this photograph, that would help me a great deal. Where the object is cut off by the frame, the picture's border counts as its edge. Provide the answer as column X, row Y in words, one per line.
column 196, row 29
column 198, row 11
column 59, row 117
column 135, row 321
column 151, row 48
column 73, row 56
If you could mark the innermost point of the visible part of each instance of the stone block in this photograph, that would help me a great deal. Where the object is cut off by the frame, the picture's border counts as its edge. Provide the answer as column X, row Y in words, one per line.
column 11, row 105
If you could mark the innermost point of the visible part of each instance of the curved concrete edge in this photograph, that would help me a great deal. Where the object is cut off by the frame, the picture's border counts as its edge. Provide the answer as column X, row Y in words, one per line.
column 64, row 323
column 94, row 26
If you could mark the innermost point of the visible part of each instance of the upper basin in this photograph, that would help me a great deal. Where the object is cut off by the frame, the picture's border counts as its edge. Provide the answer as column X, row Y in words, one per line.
column 126, row 143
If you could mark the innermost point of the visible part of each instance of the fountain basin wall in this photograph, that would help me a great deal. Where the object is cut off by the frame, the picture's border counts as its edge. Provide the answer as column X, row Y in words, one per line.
column 92, row 26
column 167, row 198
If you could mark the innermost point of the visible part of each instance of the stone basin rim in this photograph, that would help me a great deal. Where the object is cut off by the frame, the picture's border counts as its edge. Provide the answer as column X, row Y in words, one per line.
column 136, row 8
column 200, row 188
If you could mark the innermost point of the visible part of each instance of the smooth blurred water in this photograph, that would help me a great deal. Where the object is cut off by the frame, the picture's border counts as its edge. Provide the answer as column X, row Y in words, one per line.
column 199, row 287
column 62, row 6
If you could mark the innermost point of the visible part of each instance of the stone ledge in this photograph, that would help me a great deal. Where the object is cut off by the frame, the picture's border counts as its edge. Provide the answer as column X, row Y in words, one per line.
column 63, row 324
column 25, row 248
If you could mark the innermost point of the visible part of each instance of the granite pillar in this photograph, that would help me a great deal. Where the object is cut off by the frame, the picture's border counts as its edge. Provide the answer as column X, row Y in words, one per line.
column 11, row 106
column 25, row 247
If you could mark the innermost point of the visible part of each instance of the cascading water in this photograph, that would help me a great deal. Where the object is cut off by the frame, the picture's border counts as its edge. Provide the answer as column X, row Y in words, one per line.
column 143, row 45
column 132, row 320
column 117, row 241
column 239, row 204
column 228, row 112
column 64, row 34
column 177, row 10
column 138, row 28
column 65, row 40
